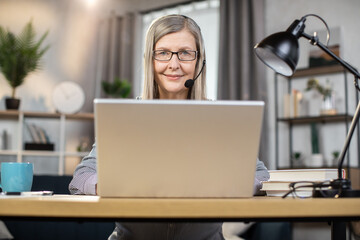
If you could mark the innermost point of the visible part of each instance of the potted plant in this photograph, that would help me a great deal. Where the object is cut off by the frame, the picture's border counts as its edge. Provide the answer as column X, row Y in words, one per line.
column 117, row 89
column 335, row 159
column 19, row 55
column 316, row 157
column 328, row 103
column 297, row 159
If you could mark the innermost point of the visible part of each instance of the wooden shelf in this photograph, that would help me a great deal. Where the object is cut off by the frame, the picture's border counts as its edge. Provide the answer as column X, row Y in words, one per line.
column 306, row 72
column 12, row 114
column 8, row 152
column 9, row 114
column 80, row 116
column 317, row 119
column 40, row 153
column 76, row 154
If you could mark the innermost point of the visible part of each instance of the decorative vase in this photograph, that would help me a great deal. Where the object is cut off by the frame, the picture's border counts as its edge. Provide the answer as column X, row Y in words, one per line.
column 12, row 103
column 328, row 105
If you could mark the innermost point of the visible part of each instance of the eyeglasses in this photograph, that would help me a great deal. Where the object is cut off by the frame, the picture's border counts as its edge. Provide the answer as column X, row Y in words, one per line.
column 164, row 55
column 307, row 189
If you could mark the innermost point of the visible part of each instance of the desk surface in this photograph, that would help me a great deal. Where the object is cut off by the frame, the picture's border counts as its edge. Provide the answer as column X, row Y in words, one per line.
column 66, row 206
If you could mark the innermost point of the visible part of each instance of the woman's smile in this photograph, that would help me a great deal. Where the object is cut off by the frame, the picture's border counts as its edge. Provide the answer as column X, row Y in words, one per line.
column 173, row 76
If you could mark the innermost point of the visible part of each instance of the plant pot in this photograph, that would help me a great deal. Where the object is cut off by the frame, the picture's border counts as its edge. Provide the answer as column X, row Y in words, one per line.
column 317, row 160
column 12, row 103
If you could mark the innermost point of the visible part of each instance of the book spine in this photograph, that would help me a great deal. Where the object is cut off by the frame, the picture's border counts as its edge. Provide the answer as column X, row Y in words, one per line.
column 33, row 133
column 41, row 134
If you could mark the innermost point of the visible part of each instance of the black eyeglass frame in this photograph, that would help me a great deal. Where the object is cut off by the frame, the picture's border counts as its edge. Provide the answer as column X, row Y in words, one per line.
column 317, row 189
column 177, row 54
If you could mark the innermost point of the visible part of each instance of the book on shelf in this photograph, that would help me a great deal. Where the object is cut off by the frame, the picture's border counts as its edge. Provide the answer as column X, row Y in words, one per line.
column 42, row 135
column 33, row 133
column 293, row 104
column 37, row 134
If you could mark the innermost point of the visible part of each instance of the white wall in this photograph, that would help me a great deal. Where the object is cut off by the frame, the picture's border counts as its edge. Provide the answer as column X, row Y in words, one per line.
column 279, row 14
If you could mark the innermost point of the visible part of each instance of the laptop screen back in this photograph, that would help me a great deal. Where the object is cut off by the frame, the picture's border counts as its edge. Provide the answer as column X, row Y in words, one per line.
column 181, row 148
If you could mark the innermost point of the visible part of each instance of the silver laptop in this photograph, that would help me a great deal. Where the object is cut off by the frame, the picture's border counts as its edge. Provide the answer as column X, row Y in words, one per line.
column 177, row 148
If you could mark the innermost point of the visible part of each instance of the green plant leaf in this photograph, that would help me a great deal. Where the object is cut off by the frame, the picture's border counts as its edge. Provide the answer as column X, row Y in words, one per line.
column 117, row 89
column 314, row 84
column 314, row 139
column 20, row 54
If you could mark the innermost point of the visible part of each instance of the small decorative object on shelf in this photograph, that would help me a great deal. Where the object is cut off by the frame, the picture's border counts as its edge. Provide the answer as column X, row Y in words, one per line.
column 5, row 140
column 84, row 145
column 297, row 159
column 328, row 99
column 335, row 158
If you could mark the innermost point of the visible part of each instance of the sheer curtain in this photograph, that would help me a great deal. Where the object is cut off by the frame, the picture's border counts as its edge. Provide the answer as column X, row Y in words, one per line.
column 115, row 50
column 241, row 76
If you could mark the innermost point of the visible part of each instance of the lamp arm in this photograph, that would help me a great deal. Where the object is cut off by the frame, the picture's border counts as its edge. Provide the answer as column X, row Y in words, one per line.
column 354, row 122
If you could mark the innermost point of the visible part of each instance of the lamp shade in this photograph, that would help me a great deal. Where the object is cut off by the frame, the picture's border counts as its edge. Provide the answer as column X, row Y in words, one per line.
column 279, row 51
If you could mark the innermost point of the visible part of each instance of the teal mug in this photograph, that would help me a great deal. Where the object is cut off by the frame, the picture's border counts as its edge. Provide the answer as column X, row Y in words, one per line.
column 16, row 177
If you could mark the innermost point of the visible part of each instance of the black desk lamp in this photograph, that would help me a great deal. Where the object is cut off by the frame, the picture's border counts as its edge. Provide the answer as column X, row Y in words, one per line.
column 280, row 51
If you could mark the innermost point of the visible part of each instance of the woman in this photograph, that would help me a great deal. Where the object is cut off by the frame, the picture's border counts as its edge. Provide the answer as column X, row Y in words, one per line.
column 174, row 53
column 166, row 36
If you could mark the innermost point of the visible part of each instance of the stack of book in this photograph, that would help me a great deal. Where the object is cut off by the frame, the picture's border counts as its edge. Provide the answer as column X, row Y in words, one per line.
column 279, row 180
column 39, row 139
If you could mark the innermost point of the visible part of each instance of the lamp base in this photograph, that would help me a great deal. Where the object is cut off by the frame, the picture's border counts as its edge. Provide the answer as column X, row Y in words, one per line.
column 345, row 193
column 341, row 188
column 350, row 193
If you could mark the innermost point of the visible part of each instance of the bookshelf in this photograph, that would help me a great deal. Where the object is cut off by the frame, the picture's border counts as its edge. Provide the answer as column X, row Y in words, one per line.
column 60, row 154
column 317, row 119
column 343, row 117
